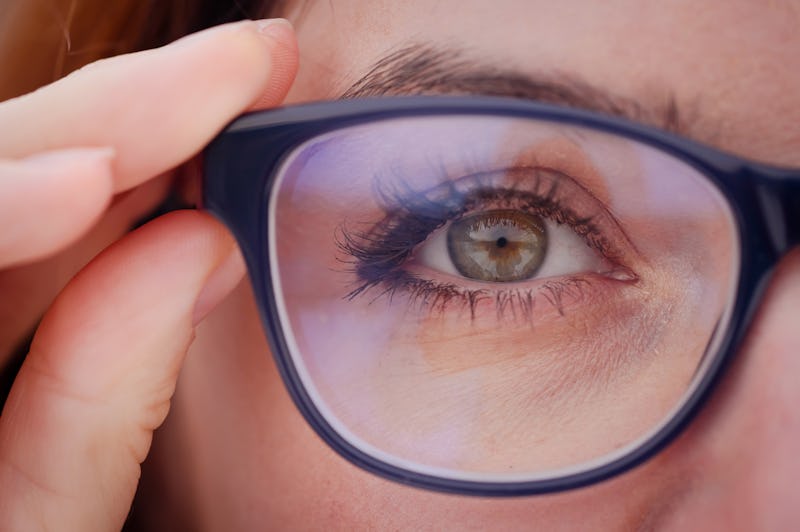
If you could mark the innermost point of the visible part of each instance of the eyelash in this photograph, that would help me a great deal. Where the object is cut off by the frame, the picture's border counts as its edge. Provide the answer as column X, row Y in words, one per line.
column 377, row 255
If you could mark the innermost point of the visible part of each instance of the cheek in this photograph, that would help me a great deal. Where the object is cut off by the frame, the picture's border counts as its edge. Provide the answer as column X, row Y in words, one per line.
column 242, row 458
column 501, row 389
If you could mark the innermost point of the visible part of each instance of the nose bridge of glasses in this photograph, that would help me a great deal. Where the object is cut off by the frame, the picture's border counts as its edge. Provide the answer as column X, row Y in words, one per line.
column 778, row 194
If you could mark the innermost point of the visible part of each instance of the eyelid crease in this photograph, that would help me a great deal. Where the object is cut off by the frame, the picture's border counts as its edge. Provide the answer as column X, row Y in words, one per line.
column 575, row 162
column 529, row 181
column 562, row 154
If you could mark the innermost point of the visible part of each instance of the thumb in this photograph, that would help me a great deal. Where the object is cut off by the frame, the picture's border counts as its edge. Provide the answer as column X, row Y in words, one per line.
column 101, row 372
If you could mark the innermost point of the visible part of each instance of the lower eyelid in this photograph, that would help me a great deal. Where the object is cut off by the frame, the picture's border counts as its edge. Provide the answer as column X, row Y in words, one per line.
column 434, row 293
column 526, row 341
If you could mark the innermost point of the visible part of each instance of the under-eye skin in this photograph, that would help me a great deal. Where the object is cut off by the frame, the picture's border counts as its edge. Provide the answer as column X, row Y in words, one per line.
column 386, row 258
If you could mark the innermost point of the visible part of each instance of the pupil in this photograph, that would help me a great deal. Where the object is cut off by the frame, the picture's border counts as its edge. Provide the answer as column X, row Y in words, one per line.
column 501, row 242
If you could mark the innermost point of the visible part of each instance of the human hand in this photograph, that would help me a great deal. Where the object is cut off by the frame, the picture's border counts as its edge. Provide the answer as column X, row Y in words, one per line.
column 104, row 361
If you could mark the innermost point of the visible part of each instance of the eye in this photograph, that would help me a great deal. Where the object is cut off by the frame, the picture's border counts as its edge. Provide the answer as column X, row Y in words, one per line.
column 507, row 245
column 483, row 235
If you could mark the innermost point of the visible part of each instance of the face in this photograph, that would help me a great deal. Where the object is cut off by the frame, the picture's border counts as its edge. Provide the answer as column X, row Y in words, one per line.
column 235, row 451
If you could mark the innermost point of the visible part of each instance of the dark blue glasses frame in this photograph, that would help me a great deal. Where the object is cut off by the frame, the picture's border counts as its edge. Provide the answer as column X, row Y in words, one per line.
column 241, row 165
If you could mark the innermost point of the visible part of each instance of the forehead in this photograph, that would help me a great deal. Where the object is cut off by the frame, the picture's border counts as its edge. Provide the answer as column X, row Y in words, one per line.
column 732, row 66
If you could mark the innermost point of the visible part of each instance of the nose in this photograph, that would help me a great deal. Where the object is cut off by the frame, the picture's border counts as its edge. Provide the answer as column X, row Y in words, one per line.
column 743, row 452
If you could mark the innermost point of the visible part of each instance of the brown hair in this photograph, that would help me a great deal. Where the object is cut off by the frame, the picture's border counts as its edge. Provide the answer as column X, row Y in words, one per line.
column 43, row 40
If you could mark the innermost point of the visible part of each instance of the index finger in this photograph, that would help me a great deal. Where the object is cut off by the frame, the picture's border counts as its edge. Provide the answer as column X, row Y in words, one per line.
column 155, row 108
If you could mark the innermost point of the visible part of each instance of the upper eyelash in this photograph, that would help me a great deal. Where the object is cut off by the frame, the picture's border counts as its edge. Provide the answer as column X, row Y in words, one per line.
column 398, row 202
column 412, row 216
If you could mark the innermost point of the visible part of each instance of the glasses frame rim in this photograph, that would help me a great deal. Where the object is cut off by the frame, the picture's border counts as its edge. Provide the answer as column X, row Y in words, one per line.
column 764, row 201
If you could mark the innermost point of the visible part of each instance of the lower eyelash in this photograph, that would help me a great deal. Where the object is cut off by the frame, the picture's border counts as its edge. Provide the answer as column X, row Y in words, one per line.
column 439, row 297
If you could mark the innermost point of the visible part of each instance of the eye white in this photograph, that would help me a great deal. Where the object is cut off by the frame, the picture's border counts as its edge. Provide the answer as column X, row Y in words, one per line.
column 566, row 254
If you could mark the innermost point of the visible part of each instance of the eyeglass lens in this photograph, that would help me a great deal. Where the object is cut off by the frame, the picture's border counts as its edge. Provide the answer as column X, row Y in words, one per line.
column 495, row 298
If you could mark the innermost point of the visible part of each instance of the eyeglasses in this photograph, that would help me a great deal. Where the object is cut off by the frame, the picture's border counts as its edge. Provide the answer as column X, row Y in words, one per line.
column 490, row 296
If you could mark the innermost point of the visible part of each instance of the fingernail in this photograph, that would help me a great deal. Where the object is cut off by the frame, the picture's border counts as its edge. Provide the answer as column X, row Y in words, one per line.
column 218, row 285
column 278, row 29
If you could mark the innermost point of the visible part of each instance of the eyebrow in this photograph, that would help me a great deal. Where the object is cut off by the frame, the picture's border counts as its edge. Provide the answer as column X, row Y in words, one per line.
column 421, row 69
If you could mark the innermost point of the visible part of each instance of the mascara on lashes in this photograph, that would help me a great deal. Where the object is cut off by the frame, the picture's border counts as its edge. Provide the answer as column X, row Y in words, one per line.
column 378, row 256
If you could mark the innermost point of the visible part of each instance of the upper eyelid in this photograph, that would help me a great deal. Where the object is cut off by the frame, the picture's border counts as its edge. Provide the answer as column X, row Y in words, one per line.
column 391, row 243
column 526, row 173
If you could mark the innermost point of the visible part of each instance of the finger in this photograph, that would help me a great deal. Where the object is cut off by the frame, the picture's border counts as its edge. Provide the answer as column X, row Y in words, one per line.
column 101, row 371
column 29, row 289
column 48, row 201
column 155, row 108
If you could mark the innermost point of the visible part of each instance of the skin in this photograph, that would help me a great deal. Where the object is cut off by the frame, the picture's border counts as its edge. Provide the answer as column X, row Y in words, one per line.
column 234, row 453
column 731, row 470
